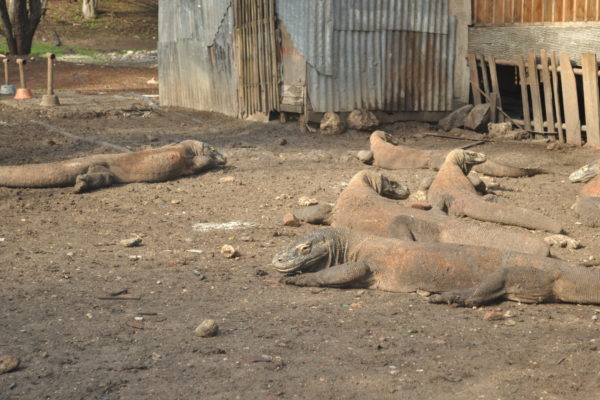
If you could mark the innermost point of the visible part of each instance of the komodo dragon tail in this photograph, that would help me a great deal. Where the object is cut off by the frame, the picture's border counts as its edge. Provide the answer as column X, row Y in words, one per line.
column 504, row 214
column 492, row 168
column 56, row 174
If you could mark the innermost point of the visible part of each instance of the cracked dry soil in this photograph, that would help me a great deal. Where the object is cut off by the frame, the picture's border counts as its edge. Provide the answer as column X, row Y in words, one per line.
column 60, row 253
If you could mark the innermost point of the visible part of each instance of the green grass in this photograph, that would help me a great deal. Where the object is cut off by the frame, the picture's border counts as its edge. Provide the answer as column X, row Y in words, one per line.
column 39, row 49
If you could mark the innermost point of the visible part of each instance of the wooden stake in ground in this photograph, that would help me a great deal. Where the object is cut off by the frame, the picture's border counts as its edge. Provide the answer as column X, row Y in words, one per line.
column 590, row 95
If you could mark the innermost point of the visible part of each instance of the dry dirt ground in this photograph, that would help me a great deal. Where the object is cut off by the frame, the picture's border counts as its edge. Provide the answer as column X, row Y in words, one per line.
column 60, row 252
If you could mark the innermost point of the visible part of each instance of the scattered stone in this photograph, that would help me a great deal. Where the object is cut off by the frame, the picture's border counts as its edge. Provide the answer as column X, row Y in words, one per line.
column 306, row 201
column 503, row 130
column 283, row 142
column 133, row 242
column 556, row 145
column 207, row 328
column 332, row 124
column 455, row 119
column 493, row 316
column 315, row 214
column 290, row 220
column 510, row 322
column 228, row 251
column 226, row 179
column 478, row 117
column 199, row 274
column 562, row 241
column 420, row 205
column 362, row 120
column 365, row 156
column 423, row 293
column 509, row 314
column 8, row 363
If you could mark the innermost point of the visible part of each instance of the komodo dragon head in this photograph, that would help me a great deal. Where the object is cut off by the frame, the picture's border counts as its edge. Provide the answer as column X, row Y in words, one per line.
column 383, row 185
column 204, row 156
column 465, row 159
column 311, row 252
column 585, row 173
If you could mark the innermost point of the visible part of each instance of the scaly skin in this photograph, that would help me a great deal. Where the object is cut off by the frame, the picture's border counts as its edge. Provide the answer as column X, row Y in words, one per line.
column 451, row 191
column 87, row 173
column 388, row 154
column 465, row 275
column 365, row 204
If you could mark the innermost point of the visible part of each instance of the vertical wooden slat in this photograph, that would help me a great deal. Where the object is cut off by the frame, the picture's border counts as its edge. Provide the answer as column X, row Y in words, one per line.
column 536, row 100
column 570, row 101
column 495, row 86
column 557, row 108
column 474, row 76
column 484, row 75
column 524, row 94
column 547, row 91
column 590, row 95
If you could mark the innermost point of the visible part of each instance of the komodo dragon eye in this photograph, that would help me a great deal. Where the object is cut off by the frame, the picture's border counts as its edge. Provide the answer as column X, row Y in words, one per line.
column 303, row 248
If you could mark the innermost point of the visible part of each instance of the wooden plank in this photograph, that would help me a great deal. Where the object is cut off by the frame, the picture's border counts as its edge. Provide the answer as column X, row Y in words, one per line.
column 474, row 76
column 590, row 95
column 547, row 91
column 557, row 109
column 536, row 98
column 493, row 106
column 570, row 102
column 495, row 86
column 524, row 93
column 484, row 75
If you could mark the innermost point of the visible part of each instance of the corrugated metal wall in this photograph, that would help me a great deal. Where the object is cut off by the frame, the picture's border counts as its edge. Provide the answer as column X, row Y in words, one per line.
column 196, row 60
column 393, row 55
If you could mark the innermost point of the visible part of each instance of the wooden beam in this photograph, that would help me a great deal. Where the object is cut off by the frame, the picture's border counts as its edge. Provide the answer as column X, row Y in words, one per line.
column 547, row 91
column 557, row 108
column 570, row 101
column 591, row 99
column 524, row 93
column 495, row 86
column 484, row 75
column 474, row 76
column 536, row 99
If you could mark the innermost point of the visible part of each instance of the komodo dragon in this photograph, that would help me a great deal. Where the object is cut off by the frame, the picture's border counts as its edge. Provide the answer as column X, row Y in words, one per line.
column 389, row 154
column 461, row 274
column 367, row 204
column 451, row 191
column 587, row 205
column 101, row 170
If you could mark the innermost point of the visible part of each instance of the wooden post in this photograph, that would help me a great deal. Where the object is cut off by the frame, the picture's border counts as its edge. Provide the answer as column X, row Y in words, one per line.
column 524, row 94
column 590, row 95
column 495, row 87
column 547, row 92
column 474, row 78
column 570, row 102
column 484, row 76
column 557, row 108
column 536, row 100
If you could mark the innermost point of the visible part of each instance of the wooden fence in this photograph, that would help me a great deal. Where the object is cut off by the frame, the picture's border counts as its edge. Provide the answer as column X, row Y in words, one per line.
column 536, row 12
column 549, row 93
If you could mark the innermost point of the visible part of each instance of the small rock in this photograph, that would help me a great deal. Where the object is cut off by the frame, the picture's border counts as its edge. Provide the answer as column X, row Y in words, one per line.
column 306, row 201
column 510, row 322
column 8, row 363
column 226, row 179
column 332, row 124
column 478, row 117
column 362, row 120
column 133, row 242
column 365, row 156
column 509, row 314
column 283, row 142
column 493, row 316
column 290, row 220
column 423, row 293
column 455, row 119
column 228, row 251
column 207, row 328
column 556, row 145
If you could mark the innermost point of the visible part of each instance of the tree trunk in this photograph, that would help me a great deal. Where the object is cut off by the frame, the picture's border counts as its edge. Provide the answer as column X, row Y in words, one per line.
column 20, row 22
column 88, row 8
